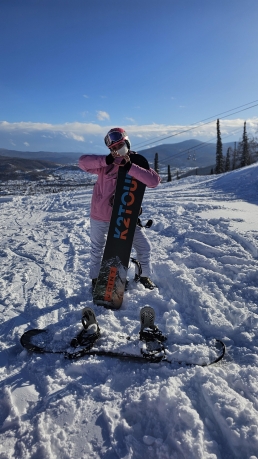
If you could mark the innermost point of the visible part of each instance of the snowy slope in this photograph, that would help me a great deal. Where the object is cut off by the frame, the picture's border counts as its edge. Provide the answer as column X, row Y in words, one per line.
column 205, row 248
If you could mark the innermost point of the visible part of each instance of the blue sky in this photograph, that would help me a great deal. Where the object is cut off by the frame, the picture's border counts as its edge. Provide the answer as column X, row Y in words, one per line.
column 72, row 69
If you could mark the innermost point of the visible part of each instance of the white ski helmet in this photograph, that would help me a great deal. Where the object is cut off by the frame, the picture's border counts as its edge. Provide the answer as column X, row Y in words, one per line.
column 115, row 136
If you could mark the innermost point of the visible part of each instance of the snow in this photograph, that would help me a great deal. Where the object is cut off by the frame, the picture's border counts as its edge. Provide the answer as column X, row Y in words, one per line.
column 205, row 242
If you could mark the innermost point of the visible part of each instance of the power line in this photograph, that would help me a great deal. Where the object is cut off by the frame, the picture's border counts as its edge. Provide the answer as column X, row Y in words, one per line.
column 196, row 147
column 142, row 144
column 200, row 125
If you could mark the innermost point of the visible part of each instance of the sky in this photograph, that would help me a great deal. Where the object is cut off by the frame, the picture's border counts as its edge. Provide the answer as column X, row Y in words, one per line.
column 72, row 69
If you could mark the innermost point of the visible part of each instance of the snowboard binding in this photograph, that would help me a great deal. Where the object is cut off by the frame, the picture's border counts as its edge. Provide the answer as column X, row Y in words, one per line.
column 149, row 331
column 145, row 281
column 90, row 332
column 152, row 338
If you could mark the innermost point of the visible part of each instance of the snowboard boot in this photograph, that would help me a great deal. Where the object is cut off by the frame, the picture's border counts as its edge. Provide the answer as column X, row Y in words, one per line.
column 145, row 281
column 93, row 283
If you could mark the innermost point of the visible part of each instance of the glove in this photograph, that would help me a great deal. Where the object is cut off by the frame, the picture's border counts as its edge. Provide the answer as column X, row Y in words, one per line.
column 127, row 165
column 109, row 159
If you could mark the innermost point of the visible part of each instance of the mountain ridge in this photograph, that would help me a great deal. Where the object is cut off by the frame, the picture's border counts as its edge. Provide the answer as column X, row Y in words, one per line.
column 188, row 153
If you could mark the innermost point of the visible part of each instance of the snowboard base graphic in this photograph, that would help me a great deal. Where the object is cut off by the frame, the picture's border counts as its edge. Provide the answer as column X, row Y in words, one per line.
column 110, row 286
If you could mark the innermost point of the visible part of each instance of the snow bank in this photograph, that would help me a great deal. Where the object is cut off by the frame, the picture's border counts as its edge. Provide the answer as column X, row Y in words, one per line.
column 205, row 242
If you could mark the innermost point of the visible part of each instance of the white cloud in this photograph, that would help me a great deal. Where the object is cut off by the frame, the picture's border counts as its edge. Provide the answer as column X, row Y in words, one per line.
column 85, row 96
column 72, row 135
column 102, row 115
column 81, row 132
column 202, row 129
column 26, row 144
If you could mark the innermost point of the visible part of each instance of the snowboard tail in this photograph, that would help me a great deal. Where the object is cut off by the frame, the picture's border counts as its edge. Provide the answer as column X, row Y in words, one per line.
column 110, row 286
column 109, row 290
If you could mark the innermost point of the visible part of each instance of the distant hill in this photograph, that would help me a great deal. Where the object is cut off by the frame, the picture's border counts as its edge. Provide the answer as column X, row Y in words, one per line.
column 9, row 164
column 190, row 153
column 60, row 158
column 20, row 168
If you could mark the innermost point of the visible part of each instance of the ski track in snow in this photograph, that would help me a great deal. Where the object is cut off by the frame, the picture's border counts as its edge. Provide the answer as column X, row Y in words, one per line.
column 205, row 265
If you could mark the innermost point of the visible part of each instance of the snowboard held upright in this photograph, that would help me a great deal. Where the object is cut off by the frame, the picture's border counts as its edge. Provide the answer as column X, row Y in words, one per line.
column 110, row 286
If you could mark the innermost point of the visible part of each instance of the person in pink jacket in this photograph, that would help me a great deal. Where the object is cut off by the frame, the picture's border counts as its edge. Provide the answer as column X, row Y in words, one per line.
column 106, row 167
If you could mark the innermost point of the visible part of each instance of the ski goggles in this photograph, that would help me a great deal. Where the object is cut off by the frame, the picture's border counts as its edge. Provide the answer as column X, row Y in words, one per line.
column 114, row 137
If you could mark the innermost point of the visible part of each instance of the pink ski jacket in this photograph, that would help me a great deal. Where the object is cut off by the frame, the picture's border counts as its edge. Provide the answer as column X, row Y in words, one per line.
column 104, row 188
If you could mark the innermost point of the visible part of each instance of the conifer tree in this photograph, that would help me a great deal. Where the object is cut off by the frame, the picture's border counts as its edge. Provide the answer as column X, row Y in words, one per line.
column 156, row 163
column 219, row 153
column 253, row 149
column 234, row 160
column 227, row 163
column 169, row 174
column 244, row 145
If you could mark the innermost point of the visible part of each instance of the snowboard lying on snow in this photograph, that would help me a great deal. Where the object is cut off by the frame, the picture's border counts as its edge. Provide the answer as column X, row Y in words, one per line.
column 149, row 346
